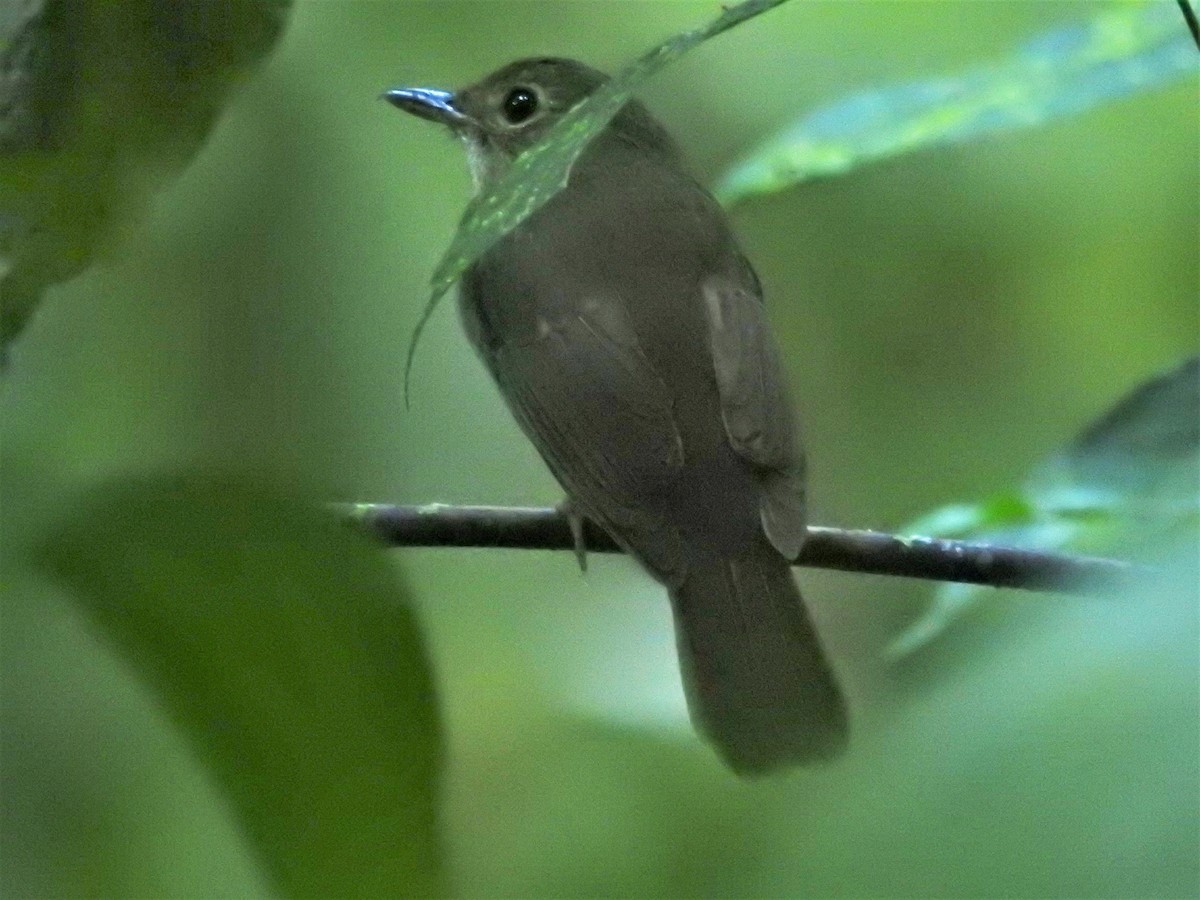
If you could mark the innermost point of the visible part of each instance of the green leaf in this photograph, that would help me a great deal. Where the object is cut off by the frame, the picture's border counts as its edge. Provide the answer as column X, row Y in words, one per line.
column 1066, row 71
column 1142, row 447
column 959, row 520
column 542, row 171
column 99, row 103
column 280, row 643
column 1129, row 485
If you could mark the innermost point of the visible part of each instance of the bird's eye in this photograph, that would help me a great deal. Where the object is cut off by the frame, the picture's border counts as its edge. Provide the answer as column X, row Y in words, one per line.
column 519, row 105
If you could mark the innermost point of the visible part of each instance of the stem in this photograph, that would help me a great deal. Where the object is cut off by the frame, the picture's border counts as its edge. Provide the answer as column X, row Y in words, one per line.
column 1189, row 16
column 866, row 552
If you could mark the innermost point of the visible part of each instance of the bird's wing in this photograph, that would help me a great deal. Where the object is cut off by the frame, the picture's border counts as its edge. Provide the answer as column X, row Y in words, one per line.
column 601, row 417
column 755, row 408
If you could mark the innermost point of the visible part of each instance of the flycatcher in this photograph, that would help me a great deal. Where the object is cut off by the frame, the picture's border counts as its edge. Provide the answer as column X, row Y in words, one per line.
column 626, row 331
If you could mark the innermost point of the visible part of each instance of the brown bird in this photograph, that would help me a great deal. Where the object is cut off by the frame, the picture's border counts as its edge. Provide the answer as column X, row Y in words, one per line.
column 626, row 331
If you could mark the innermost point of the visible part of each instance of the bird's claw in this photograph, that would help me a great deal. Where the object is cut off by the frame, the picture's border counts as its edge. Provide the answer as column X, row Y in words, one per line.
column 575, row 523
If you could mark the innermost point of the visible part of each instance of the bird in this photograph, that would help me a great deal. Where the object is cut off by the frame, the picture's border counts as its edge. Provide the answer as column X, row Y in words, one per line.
column 626, row 331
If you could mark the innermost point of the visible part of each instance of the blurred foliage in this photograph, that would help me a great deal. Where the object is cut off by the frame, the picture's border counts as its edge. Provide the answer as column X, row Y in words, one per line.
column 281, row 646
column 947, row 317
column 1066, row 71
column 101, row 101
column 1129, row 486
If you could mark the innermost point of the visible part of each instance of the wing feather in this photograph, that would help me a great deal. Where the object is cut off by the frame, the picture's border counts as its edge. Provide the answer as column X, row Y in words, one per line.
column 602, row 419
column 755, row 408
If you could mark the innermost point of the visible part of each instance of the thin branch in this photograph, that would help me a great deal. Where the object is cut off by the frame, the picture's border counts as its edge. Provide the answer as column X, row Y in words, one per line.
column 1189, row 16
column 866, row 552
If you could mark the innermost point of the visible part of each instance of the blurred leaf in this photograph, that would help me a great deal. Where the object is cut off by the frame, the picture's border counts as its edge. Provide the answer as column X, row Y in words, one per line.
column 280, row 643
column 1129, row 484
column 1141, row 447
column 99, row 103
column 542, row 171
column 1063, row 751
column 959, row 520
column 1066, row 71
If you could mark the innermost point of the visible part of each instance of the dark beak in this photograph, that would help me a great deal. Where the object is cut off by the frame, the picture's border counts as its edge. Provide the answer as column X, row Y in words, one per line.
column 437, row 106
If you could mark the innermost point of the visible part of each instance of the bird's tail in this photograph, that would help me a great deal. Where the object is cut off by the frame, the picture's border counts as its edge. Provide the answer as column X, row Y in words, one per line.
column 757, row 683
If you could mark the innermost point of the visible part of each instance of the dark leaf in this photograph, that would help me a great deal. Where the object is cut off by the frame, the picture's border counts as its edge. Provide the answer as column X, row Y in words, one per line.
column 281, row 644
column 100, row 103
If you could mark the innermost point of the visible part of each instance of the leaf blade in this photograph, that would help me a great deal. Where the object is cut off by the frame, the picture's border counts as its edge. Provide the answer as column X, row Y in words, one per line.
column 99, row 105
column 279, row 644
column 1061, row 73
column 542, row 171
column 1129, row 483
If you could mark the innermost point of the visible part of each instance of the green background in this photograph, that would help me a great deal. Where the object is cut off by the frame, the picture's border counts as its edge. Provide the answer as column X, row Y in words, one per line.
column 947, row 319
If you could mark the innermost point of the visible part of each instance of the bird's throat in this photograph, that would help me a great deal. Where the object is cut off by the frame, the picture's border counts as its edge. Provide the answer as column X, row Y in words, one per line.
column 487, row 163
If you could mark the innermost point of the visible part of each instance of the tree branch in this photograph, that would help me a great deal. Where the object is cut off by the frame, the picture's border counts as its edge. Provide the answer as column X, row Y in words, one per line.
column 1189, row 16
column 867, row 552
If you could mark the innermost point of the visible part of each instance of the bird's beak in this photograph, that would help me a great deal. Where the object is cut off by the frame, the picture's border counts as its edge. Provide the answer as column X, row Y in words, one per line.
column 437, row 106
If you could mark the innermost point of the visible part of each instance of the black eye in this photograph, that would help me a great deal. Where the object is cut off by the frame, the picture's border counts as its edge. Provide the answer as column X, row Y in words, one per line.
column 519, row 105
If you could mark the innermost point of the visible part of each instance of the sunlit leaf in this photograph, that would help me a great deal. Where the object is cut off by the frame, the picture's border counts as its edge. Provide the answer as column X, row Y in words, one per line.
column 542, row 171
column 280, row 643
column 1129, row 485
column 1066, row 71
column 960, row 520
column 99, row 103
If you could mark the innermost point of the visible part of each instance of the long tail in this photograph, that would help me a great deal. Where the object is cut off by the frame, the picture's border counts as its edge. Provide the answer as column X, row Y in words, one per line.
column 757, row 682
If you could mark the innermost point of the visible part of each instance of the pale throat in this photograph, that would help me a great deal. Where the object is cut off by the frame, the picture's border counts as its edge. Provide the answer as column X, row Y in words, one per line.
column 485, row 166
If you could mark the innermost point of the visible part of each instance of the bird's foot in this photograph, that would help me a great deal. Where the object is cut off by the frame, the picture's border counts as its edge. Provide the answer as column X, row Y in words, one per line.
column 575, row 522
